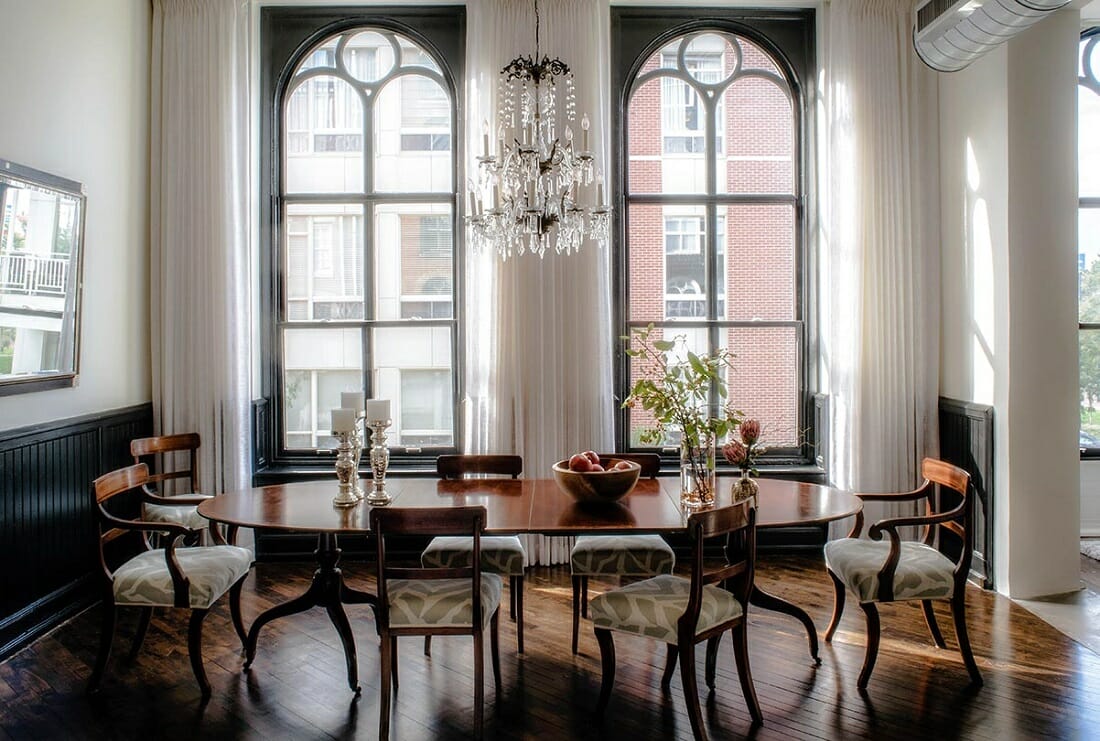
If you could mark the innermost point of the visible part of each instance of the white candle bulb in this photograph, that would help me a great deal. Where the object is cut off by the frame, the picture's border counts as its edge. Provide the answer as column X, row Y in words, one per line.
column 585, row 124
column 352, row 400
column 378, row 410
column 343, row 420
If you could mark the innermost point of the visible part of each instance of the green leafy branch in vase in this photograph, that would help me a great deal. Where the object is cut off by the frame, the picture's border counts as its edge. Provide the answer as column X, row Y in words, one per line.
column 674, row 387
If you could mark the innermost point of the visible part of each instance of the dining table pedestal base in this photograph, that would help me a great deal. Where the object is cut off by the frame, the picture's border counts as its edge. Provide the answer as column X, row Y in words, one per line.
column 327, row 590
column 767, row 601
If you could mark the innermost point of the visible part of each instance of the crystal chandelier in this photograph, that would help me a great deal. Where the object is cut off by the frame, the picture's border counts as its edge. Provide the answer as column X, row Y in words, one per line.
column 537, row 191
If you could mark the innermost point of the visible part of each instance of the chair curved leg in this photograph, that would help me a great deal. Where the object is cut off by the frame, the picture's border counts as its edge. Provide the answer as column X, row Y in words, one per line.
column 712, row 659
column 874, row 631
column 607, row 662
column 393, row 661
column 744, row 673
column 838, row 607
column 106, row 638
column 235, row 610
column 670, row 666
column 691, row 689
column 384, row 693
column 933, row 626
column 517, row 591
column 142, row 629
column 584, row 597
column 512, row 598
column 576, row 611
column 479, row 683
column 194, row 649
column 494, row 648
column 958, row 612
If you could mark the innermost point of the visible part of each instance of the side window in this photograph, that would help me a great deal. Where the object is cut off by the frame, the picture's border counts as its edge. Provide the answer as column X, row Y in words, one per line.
column 1088, row 239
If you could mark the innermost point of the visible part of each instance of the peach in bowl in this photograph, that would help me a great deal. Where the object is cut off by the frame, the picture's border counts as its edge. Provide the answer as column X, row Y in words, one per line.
column 592, row 480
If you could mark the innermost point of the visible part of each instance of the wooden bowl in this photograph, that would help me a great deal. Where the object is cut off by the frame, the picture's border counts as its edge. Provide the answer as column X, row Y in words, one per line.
column 597, row 486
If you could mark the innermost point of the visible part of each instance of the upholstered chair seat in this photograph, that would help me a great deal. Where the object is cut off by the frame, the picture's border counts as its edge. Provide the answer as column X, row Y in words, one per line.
column 654, row 606
column 499, row 554
column 922, row 573
column 622, row 555
column 441, row 602
column 145, row 581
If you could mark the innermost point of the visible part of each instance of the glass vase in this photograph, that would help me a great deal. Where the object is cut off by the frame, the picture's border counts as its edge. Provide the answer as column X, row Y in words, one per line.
column 745, row 487
column 697, row 478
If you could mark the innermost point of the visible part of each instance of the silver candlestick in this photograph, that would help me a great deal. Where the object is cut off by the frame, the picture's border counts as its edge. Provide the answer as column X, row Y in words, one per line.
column 379, row 461
column 347, row 473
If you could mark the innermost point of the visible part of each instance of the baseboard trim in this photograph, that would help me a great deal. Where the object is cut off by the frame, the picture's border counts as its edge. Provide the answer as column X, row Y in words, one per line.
column 41, row 616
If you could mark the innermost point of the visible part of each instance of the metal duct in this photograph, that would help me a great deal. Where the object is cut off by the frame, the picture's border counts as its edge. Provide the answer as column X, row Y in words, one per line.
column 950, row 34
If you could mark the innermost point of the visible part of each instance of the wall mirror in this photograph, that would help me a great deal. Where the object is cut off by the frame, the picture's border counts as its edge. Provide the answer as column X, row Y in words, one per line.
column 41, row 248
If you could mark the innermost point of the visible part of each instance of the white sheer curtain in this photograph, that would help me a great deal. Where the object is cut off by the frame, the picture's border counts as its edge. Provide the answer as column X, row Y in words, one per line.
column 199, row 246
column 879, row 248
column 538, row 355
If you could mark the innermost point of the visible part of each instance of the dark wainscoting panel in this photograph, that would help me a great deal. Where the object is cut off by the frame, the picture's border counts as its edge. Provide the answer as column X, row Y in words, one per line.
column 47, row 523
column 966, row 440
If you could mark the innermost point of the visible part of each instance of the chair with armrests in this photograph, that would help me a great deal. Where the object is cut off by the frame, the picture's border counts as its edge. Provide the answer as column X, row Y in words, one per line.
column 682, row 612
column 193, row 578
column 617, row 555
column 457, row 600
column 160, row 505
column 502, row 555
column 893, row 570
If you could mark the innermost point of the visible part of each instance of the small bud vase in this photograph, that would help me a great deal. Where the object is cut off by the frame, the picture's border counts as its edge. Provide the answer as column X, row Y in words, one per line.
column 745, row 487
column 697, row 478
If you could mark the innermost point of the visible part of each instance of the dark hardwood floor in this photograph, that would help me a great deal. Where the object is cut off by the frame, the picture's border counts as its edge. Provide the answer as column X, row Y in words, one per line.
column 1038, row 683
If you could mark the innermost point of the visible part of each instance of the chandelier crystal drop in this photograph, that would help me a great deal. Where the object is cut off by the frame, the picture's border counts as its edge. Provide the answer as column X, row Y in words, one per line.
column 535, row 191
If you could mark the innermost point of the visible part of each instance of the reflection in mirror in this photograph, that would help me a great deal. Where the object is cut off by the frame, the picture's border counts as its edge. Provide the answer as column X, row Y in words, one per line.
column 41, row 235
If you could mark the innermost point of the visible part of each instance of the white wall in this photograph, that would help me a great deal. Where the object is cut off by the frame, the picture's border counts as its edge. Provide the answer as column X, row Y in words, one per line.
column 74, row 101
column 1008, row 204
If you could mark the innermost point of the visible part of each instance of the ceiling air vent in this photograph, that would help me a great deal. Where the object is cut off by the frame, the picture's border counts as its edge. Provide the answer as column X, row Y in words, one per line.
column 950, row 34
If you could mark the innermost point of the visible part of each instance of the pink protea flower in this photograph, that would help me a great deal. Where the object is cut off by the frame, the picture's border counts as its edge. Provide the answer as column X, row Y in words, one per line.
column 750, row 431
column 735, row 452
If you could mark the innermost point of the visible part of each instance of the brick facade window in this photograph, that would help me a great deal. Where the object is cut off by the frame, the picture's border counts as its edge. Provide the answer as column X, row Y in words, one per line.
column 712, row 199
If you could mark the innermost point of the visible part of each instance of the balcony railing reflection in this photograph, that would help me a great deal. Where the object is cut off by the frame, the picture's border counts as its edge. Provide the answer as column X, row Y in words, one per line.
column 34, row 275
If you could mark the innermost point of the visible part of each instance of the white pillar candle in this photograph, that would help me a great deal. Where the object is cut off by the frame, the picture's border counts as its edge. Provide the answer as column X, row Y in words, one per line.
column 343, row 420
column 352, row 400
column 378, row 410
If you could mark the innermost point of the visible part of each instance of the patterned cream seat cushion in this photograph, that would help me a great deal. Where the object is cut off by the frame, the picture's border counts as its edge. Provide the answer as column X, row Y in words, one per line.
column 922, row 573
column 184, row 514
column 499, row 554
column 440, row 602
column 652, row 607
column 212, row 570
column 625, row 555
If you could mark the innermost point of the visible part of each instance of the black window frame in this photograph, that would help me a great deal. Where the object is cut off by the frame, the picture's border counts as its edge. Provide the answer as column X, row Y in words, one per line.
column 286, row 34
column 1091, row 80
column 790, row 37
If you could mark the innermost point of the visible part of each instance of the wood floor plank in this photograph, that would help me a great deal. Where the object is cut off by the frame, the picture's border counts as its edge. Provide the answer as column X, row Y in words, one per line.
column 1039, row 684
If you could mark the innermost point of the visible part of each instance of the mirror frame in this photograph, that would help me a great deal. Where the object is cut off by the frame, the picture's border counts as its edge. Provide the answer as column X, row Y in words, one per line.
column 65, row 378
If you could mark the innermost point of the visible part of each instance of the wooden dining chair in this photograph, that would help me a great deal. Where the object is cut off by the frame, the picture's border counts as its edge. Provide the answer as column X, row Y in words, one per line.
column 684, row 611
column 170, row 494
column 193, row 578
column 500, row 554
column 617, row 555
column 456, row 600
column 893, row 570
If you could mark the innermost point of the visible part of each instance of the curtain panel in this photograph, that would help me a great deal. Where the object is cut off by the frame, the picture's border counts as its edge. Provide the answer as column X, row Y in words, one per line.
column 539, row 338
column 878, row 246
column 199, row 265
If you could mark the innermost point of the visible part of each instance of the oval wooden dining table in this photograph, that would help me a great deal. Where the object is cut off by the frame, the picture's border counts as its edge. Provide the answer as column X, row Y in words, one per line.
column 512, row 506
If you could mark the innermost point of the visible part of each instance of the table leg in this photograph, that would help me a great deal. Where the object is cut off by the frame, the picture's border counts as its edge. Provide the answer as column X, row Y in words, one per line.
column 765, row 601
column 327, row 590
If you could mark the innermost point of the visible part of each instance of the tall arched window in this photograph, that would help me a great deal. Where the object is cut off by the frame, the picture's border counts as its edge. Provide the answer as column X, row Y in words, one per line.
column 1088, row 238
column 712, row 215
column 363, row 235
